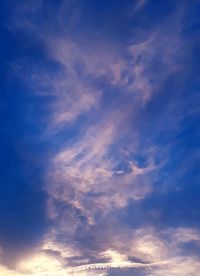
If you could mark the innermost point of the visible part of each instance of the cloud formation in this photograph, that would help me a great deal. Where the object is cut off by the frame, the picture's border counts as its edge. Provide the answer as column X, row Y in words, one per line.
column 111, row 134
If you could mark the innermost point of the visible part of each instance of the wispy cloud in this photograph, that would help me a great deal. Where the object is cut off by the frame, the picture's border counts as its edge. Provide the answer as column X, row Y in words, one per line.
column 107, row 110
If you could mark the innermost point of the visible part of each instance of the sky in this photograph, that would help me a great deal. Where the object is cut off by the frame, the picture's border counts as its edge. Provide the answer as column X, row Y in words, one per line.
column 100, row 137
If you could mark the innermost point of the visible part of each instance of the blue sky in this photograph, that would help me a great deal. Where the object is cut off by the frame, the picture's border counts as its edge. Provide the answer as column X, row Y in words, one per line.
column 100, row 137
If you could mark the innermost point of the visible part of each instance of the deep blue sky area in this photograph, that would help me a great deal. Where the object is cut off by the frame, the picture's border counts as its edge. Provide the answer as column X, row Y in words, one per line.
column 100, row 137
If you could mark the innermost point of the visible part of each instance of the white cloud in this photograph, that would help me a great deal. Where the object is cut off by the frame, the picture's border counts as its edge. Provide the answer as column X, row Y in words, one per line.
column 85, row 174
column 160, row 254
column 182, row 266
column 87, row 167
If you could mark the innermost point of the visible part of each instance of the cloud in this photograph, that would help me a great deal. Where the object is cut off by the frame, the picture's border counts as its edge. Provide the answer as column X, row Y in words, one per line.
column 115, row 265
column 39, row 263
column 159, row 252
column 84, row 175
column 140, row 4
column 180, row 266
column 109, row 107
